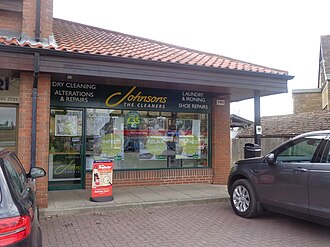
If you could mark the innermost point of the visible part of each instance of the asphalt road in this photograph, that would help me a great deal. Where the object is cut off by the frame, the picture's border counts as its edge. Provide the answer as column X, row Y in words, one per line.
column 187, row 225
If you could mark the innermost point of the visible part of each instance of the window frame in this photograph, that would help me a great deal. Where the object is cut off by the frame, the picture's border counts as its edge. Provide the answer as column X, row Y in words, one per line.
column 325, row 155
column 293, row 143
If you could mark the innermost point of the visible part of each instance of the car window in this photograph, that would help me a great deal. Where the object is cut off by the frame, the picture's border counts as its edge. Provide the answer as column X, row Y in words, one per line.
column 301, row 150
column 18, row 167
column 16, row 172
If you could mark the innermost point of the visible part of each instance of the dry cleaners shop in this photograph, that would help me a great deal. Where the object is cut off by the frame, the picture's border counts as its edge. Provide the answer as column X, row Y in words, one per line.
column 140, row 129
column 71, row 94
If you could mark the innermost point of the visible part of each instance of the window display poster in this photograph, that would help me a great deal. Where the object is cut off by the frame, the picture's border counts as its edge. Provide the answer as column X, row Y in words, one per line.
column 102, row 182
column 66, row 125
column 64, row 167
column 189, row 141
column 132, row 120
column 109, row 144
column 153, row 148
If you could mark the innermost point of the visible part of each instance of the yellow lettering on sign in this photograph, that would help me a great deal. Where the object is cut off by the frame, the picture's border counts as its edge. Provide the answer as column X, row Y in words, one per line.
column 121, row 100
column 131, row 97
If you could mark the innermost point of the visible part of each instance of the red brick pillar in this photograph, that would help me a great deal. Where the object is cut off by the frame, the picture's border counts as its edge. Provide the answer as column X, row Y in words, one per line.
column 220, row 142
column 25, row 125
column 29, row 18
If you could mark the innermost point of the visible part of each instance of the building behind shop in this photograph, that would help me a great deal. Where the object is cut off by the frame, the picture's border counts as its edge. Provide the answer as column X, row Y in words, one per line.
column 310, row 112
column 159, row 111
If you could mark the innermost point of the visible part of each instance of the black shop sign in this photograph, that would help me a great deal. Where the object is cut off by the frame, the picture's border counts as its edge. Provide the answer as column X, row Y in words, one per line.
column 77, row 94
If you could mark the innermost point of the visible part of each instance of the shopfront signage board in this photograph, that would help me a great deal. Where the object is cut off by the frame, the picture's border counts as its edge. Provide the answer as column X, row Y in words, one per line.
column 80, row 94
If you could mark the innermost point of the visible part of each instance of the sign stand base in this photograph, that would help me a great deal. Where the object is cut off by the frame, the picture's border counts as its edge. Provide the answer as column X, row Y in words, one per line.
column 101, row 199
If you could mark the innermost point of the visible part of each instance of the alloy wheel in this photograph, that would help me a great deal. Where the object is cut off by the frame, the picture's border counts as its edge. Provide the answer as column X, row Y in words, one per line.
column 241, row 198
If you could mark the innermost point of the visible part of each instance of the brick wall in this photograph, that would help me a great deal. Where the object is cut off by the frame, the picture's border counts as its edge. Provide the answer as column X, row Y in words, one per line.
column 29, row 17
column 26, row 22
column 307, row 102
column 10, row 21
column 25, row 125
column 221, row 142
column 25, row 119
column 157, row 177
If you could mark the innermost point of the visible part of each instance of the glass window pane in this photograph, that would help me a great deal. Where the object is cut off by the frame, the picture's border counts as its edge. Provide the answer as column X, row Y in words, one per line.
column 147, row 139
column 65, row 163
column 7, row 126
column 16, row 172
column 301, row 150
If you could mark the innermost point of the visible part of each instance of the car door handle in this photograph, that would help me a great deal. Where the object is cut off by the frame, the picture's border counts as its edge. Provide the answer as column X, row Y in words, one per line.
column 300, row 169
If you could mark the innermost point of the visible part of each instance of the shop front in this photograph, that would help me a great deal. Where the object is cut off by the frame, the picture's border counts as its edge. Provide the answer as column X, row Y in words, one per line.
column 138, row 128
column 77, row 94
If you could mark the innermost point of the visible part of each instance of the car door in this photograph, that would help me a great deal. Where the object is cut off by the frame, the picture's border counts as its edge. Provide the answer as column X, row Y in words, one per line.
column 283, row 185
column 318, row 187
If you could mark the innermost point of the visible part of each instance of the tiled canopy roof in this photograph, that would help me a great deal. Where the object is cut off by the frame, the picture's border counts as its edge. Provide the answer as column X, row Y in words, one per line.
column 237, row 121
column 75, row 37
column 291, row 125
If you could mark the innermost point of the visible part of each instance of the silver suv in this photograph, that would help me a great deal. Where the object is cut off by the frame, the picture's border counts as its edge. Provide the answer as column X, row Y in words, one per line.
column 19, row 224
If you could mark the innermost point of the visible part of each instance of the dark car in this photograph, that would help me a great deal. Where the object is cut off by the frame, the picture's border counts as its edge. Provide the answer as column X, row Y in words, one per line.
column 19, row 224
column 293, row 179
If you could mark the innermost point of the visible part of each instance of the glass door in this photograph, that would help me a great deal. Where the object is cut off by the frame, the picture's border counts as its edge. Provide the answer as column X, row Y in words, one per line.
column 66, row 149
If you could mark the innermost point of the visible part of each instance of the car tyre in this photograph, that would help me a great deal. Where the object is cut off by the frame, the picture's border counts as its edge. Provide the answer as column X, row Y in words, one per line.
column 243, row 199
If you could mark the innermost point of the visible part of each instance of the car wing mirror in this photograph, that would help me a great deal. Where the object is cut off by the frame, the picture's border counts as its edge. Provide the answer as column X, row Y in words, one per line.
column 36, row 172
column 270, row 159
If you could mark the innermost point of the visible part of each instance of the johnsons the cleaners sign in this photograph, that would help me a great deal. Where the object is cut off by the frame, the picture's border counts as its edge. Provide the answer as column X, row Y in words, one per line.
column 77, row 94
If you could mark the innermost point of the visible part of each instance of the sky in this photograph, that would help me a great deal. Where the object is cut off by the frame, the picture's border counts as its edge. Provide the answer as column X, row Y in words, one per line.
column 281, row 34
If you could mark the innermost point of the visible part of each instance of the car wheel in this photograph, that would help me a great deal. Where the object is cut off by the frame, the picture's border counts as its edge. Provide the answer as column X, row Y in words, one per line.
column 243, row 199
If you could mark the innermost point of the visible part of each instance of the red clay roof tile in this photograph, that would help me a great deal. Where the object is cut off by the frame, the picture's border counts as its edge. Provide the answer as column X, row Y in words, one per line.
column 75, row 37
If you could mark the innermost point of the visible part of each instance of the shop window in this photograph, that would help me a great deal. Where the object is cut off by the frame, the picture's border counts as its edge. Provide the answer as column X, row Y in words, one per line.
column 146, row 139
column 8, row 125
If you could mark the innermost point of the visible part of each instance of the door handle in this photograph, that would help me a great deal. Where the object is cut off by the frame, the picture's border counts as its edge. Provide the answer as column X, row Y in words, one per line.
column 300, row 169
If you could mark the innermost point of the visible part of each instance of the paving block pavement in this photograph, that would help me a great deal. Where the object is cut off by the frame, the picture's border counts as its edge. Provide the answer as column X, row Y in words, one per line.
column 204, row 224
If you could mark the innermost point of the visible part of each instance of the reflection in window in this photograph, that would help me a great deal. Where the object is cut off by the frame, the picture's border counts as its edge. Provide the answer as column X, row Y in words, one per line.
column 16, row 173
column 147, row 139
column 65, row 146
column 327, row 154
column 301, row 150
column 8, row 127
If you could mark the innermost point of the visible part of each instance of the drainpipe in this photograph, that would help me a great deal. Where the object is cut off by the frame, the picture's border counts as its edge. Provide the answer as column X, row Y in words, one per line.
column 257, row 122
column 38, row 14
column 34, row 109
column 35, row 88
